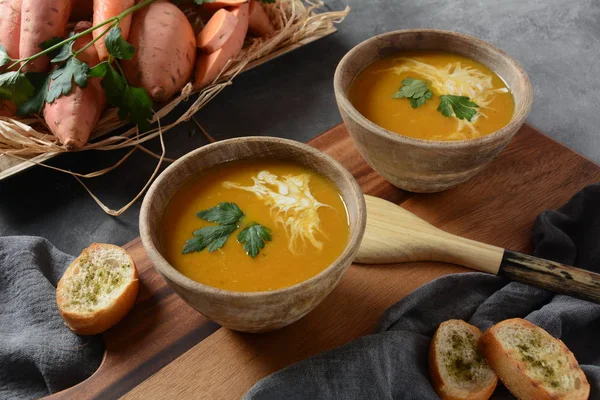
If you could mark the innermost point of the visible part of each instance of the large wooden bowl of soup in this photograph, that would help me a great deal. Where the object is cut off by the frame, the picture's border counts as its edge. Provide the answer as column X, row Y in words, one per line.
column 253, row 232
column 428, row 109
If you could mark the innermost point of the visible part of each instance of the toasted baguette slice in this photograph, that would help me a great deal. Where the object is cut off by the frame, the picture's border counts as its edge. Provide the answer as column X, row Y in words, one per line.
column 531, row 363
column 457, row 369
column 98, row 289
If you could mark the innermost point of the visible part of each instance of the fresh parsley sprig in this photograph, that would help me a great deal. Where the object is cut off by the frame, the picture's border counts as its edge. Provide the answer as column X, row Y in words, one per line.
column 223, row 213
column 254, row 237
column 416, row 90
column 461, row 106
column 16, row 87
column 74, row 70
column 213, row 237
column 227, row 216
column 33, row 105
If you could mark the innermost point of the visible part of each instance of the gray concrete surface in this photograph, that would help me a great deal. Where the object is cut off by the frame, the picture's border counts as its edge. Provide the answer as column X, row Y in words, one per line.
column 556, row 41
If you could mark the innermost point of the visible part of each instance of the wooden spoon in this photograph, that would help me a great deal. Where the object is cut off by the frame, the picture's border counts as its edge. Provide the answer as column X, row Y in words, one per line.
column 395, row 235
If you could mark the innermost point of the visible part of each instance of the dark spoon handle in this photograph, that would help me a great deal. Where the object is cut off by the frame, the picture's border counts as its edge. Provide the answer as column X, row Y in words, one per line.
column 550, row 275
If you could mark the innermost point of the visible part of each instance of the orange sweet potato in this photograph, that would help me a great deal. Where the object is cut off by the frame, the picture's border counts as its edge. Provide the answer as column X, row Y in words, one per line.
column 214, row 5
column 165, row 50
column 82, row 10
column 217, row 31
column 41, row 20
column 105, row 9
column 208, row 66
column 72, row 117
column 10, row 26
column 7, row 108
column 259, row 23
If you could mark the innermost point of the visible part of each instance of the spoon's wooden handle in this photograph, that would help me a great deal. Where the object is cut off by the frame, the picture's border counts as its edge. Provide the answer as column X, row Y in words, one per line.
column 550, row 275
column 395, row 235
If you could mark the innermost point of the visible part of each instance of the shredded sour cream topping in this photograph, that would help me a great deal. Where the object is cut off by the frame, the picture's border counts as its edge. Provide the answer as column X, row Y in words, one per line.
column 292, row 205
column 457, row 79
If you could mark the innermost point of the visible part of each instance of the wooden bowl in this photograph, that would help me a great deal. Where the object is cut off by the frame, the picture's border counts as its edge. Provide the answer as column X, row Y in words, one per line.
column 251, row 311
column 421, row 165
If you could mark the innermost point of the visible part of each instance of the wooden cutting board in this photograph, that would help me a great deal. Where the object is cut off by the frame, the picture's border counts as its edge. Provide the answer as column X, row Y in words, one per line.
column 165, row 349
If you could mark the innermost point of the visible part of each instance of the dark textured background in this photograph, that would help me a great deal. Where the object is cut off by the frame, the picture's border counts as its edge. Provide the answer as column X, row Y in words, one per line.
column 556, row 41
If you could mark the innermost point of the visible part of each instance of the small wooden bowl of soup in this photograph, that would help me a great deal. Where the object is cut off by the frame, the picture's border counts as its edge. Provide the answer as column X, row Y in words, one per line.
column 253, row 232
column 428, row 109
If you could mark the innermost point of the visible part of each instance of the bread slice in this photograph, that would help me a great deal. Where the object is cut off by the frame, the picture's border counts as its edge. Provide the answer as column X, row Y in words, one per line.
column 98, row 289
column 531, row 363
column 457, row 369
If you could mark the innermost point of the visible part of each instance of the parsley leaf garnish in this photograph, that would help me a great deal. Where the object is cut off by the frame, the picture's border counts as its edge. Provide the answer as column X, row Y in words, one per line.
column 117, row 46
column 227, row 216
column 254, row 237
column 213, row 237
column 133, row 102
column 51, row 42
column 15, row 86
column 461, row 106
column 63, row 77
column 415, row 90
column 4, row 58
column 223, row 213
column 64, row 52
column 34, row 104
column 99, row 70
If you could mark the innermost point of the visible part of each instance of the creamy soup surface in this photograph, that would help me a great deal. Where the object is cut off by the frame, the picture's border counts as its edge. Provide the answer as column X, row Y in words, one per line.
column 373, row 90
column 303, row 211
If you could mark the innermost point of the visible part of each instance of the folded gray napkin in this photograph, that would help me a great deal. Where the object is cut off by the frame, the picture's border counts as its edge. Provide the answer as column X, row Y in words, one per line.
column 39, row 355
column 392, row 362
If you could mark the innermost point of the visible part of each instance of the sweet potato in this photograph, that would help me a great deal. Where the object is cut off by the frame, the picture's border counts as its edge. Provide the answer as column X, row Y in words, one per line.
column 10, row 26
column 223, row 3
column 82, row 10
column 41, row 20
column 259, row 23
column 165, row 50
column 217, row 31
column 208, row 66
column 7, row 108
column 105, row 9
column 72, row 117
column 89, row 55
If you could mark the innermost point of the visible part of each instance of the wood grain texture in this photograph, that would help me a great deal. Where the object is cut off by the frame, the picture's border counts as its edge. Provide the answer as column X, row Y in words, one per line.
column 395, row 235
column 498, row 206
column 418, row 165
column 551, row 275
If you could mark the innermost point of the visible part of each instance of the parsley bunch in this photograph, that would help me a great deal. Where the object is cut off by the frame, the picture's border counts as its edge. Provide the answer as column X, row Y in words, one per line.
column 227, row 216
column 30, row 91
column 133, row 102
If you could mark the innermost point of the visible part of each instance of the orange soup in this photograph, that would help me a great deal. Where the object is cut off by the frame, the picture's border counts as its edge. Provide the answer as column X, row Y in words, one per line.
column 433, row 95
column 214, row 226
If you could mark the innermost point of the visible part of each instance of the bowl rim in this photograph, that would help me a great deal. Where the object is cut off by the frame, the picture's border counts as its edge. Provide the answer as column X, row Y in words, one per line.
column 516, row 121
column 171, row 273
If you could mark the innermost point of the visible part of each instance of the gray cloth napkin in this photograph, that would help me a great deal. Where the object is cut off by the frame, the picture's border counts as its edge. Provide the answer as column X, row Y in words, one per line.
column 39, row 355
column 392, row 362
